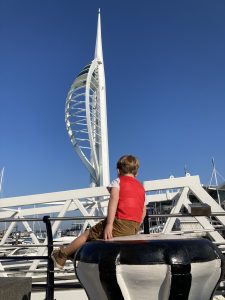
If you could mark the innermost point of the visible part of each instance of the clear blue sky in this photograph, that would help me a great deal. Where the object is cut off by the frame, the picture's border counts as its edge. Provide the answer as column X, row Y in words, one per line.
column 165, row 76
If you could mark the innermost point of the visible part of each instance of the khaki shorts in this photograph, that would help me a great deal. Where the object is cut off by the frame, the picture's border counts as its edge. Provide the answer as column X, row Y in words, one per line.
column 120, row 228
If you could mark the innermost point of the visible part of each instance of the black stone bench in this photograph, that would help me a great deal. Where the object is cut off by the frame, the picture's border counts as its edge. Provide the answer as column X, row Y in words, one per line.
column 151, row 267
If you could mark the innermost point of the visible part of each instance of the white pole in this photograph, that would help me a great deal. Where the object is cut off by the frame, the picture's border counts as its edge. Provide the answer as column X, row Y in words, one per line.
column 1, row 180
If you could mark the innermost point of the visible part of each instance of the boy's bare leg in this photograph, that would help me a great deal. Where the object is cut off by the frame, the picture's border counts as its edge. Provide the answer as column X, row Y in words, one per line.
column 77, row 243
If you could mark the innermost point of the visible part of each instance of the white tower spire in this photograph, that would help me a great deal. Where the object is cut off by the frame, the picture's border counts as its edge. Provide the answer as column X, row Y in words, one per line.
column 104, row 161
column 86, row 116
column 98, row 45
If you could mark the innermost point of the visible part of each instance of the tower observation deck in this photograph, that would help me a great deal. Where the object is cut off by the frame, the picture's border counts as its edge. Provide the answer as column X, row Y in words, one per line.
column 86, row 116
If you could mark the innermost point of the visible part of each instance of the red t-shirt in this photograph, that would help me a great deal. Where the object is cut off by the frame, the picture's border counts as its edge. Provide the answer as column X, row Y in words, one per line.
column 131, row 199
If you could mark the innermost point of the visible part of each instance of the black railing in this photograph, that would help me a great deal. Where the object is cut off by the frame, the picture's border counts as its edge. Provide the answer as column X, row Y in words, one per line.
column 50, row 281
column 50, row 264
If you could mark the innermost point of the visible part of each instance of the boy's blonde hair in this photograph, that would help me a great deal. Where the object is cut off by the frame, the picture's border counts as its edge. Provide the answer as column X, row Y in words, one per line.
column 128, row 164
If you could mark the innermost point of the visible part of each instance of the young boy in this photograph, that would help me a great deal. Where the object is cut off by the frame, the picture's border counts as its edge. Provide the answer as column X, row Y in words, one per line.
column 126, row 210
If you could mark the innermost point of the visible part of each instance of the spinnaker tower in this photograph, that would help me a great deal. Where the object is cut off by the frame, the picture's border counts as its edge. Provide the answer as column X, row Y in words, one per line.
column 86, row 116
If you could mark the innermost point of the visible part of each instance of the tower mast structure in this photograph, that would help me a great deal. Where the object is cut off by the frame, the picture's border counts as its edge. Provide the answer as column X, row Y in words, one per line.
column 104, row 151
column 86, row 116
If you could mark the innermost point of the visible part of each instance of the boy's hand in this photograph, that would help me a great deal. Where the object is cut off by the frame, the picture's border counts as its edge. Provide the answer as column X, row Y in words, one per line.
column 108, row 232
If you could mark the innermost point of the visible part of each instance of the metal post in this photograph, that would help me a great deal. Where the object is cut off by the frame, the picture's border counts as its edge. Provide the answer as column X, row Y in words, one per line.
column 50, row 265
column 146, row 223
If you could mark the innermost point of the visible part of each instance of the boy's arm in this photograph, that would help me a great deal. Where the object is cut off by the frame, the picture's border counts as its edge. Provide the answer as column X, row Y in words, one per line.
column 112, row 206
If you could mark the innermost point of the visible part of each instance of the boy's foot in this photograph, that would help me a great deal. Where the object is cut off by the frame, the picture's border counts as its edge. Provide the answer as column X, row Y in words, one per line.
column 59, row 257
